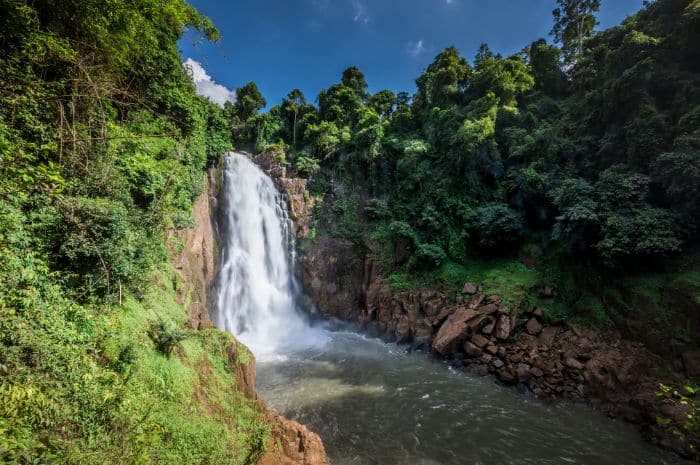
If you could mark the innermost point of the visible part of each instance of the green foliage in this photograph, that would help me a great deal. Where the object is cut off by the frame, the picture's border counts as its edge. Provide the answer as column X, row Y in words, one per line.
column 103, row 143
column 164, row 338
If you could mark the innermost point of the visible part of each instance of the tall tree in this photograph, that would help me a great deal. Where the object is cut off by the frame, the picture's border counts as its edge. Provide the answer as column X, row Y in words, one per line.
column 574, row 21
column 354, row 79
column 293, row 103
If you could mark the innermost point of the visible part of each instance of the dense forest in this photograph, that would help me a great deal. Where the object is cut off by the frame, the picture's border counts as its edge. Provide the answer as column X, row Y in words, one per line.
column 103, row 145
column 579, row 156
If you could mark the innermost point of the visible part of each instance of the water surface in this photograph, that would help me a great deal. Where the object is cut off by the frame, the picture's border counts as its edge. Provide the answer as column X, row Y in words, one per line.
column 372, row 403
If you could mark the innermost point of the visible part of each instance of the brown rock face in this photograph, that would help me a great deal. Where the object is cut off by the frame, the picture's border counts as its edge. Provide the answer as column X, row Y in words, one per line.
column 293, row 444
column 195, row 264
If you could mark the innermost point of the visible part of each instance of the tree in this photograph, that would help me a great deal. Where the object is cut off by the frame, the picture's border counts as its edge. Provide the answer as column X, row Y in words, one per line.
column 444, row 80
column 574, row 21
column 293, row 103
column 383, row 103
column 355, row 80
column 249, row 101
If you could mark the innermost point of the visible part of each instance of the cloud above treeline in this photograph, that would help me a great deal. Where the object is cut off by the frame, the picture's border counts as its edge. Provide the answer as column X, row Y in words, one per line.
column 415, row 48
column 206, row 86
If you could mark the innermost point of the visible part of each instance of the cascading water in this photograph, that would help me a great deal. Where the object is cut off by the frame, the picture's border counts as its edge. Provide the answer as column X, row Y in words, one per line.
column 256, row 284
column 371, row 402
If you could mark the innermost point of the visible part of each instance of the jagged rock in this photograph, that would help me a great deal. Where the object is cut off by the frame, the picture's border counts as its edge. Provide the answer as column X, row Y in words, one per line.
column 472, row 350
column 533, row 326
column 502, row 330
column 488, row 309
column 573, row 363
column 469, row 288
column 491, row 349
column 505, row 375
column 546, row 338
column 523, row 372
column 453, row 331
column 489, row 327
column 479, row 341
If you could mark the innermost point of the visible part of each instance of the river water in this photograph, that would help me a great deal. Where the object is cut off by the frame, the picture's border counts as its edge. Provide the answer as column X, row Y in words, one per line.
column 371, row 402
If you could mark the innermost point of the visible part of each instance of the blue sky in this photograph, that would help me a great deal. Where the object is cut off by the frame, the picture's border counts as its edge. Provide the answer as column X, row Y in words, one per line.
column 283, row 44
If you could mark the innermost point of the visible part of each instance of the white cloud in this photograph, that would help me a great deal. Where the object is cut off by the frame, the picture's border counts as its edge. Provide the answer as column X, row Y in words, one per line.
column 206, row 86
column 360, row 12
column 415, row 48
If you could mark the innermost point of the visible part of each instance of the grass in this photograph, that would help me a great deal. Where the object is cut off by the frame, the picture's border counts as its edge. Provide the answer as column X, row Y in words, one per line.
column 509, row 279
column 103, row 393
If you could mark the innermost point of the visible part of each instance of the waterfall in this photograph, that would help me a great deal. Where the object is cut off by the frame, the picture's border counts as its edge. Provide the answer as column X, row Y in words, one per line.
column 257, row 289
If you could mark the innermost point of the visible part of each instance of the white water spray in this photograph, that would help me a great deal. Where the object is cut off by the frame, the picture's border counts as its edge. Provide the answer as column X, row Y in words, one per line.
column 256, row 282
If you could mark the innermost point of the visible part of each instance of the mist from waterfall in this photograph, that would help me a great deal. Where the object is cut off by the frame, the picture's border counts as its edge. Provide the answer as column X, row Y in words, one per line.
column 256, row 285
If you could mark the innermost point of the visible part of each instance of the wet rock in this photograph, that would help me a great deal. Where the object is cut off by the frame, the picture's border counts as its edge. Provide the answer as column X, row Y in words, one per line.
column 502, row 330
column 523, row 372
column 453, row 331
column 533, row 326
column 505, row 375
column 469, row 288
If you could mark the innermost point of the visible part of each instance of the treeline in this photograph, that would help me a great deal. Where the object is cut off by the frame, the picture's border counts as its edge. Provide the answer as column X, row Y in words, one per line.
column 591, row 148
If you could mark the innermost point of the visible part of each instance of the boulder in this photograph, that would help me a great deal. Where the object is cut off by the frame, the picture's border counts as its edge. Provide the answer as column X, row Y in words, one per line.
column 489, row 327
column 573, row 363
column 453, row 331
column 546, row 338
column 469, row 288
column 491, row 349
column 472, row 350
column 479, row 341
column 533, row 326
column 523, row 372
column 488, row 309
column 502, row 330
column 498, row 363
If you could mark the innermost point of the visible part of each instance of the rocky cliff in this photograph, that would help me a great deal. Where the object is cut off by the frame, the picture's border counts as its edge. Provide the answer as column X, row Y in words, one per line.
column 289, row 443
